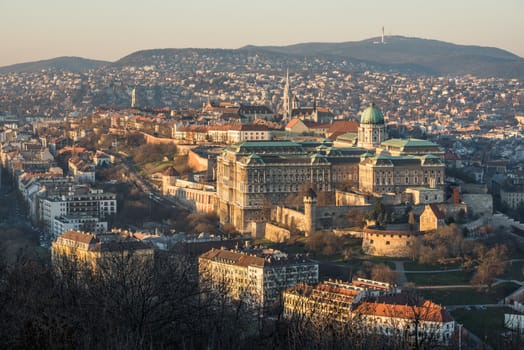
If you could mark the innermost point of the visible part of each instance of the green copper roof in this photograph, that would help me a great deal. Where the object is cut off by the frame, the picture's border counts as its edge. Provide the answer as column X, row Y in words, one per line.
column 400, row 143
column 372, row 115
column 254, row 159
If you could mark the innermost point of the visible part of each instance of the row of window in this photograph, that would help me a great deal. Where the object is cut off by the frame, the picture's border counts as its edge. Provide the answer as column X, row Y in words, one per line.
column 389, row 180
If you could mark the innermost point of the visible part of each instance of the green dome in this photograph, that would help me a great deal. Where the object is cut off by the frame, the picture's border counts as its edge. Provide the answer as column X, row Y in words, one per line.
column 372, row 115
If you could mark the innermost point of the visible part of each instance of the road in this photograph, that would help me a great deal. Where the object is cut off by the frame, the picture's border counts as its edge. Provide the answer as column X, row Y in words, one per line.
column 17, row 215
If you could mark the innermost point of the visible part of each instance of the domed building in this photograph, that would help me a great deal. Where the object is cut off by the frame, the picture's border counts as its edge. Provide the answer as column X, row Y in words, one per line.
column 372, row 130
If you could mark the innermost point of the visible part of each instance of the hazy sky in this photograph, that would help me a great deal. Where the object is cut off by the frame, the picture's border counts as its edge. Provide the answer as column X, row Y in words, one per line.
column 110, row 29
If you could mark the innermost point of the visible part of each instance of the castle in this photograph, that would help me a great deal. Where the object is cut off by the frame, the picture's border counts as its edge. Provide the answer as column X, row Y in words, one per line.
column 253, row 177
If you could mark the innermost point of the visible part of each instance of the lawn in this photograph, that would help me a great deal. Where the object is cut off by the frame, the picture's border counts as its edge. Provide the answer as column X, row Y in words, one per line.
column 514, row 271
column 439, row 278
column 414, row 266
column 468, row 296
column 154, row 167
column 486, row 324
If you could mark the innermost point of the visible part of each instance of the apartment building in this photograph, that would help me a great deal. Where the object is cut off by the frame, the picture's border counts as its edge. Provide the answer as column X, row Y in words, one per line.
column 257, row 277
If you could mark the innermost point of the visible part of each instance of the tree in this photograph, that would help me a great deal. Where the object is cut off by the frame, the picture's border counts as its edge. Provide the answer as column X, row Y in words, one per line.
column 445, row 243
column 492, row 263
column 356, row 217
column 202, row 222
column 326, row 243
column 379, row 214
column 384, row 273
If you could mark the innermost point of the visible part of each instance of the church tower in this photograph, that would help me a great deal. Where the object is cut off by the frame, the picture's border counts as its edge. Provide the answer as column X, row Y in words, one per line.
column 286, row 100
column 372, row 130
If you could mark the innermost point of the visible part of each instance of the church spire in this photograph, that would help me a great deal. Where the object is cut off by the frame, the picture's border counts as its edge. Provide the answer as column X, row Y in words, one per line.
column 286, row 99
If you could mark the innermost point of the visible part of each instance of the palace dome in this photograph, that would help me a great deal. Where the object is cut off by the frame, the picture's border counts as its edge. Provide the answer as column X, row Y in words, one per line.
column 372, row 115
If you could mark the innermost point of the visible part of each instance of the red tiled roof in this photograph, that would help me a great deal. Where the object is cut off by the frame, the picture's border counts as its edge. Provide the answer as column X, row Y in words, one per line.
column 401, row 306
column 233, row 258
column 292, row 123
column 79, row 237
column 337, row 290
column 343, row 126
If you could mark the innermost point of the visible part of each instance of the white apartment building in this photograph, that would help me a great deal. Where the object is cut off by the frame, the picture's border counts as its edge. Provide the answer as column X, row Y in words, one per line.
column 257, row 277
column 80, row 222
column 84, row 201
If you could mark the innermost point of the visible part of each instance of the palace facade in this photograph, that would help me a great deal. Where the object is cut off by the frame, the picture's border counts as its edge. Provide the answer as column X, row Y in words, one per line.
column 252, row 176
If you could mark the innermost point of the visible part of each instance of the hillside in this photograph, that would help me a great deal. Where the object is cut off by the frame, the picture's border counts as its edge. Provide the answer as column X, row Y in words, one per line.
column 414, row 54
column 398, row 54
column 72, row 64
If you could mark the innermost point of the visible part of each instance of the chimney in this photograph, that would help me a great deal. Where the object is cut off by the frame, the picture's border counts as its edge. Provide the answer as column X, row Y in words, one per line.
column 456, row 195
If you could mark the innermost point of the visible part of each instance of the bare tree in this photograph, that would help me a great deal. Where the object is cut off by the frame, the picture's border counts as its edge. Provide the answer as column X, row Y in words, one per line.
column 382, row 272
column 491, row 264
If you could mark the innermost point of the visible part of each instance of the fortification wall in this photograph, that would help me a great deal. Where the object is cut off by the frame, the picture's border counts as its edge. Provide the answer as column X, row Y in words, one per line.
column 389, row 243
column 276, row 233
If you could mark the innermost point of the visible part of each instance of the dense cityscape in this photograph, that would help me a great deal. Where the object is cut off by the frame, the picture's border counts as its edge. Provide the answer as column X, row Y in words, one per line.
column 226, row 199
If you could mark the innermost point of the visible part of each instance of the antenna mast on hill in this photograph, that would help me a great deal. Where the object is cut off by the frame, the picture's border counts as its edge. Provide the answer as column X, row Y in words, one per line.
column 383, row 42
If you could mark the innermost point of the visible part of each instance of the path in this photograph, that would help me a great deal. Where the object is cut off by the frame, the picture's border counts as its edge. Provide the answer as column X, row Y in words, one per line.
column 399, row 268
column 431, row 271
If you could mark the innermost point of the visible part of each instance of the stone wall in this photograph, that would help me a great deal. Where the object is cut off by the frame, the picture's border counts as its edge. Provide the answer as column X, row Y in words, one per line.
column 350, row 198
column 289, row 218
column 150, row 139
column 331, row 216
column 388, row 242
column 196, row 162
column 326, row 217
column 276, row 233
column 478, row 204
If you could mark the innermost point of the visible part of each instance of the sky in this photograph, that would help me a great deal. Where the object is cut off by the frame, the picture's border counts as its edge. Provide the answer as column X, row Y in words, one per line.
column 33, row 30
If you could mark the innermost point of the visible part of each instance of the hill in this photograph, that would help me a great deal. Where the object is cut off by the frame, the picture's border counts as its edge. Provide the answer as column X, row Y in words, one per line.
column 72, row 64
column 414, row 54
column 398, row 54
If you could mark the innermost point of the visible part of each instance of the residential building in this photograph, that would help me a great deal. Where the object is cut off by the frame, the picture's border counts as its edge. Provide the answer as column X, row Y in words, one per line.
column 512, row 196
column 256, row 277
column 407, row 317
column 377, row 308
column 81, row 222
column 83, row 172
column 81, row 200
column 101, row 252
column 331, row 300
column 251, row 113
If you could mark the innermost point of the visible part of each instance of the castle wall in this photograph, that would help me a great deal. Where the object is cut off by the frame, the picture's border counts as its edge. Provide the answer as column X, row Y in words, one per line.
column 350, row 198
column 332, row 216
column 152, row 140
column 276, row 233
column 196, row 162
column 478, row 204
column 288, row 217
column 327, row 217
column 389, row 243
